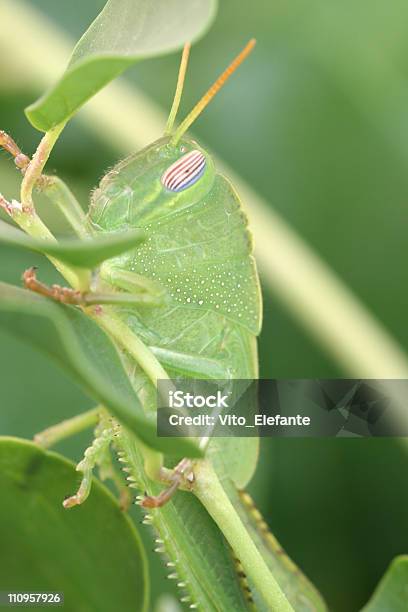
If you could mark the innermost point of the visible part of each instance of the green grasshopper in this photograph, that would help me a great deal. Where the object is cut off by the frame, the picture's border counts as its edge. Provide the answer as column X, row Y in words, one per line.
column 190, row 293
column 193, row 285
column 198, row 253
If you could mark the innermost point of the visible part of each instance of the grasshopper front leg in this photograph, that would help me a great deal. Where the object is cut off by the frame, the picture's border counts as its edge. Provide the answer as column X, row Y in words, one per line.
column 66, row 295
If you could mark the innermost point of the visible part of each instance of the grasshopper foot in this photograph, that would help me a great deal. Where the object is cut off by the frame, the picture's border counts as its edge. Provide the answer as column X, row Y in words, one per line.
column 157, row 501
column 181, row 475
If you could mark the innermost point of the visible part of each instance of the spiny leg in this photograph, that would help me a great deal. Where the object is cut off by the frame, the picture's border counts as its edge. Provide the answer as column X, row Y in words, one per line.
column 101, row 443
column 155, row 470
column 99, row 446
column 107, row 470
column 181, row 476
column 130, row 455
column 98, row 455
column 95, row 455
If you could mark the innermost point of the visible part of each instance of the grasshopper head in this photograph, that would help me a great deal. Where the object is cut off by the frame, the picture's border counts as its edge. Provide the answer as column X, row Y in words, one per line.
column 167, row 176
column 162, row 178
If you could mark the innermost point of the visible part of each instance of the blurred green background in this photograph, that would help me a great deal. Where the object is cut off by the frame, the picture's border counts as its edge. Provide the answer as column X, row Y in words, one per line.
column 317, row 122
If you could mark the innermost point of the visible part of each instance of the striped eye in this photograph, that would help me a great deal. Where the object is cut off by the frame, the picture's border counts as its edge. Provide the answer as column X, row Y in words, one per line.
column 184, row 172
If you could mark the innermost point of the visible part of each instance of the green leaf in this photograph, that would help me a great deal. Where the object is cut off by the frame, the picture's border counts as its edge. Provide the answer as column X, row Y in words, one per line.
column 86, row 352
column 391, row 594
column 93, row 554
column 86, row 253
column 125, row 32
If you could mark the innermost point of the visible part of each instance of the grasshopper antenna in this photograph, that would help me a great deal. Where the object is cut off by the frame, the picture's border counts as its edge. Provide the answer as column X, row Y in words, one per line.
column 214, row 89
column 179, row 88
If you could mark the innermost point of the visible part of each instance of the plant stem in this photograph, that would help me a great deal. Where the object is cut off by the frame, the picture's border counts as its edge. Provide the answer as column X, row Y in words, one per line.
column 211, row 494
column 36, row 166
column 26, row 216
column 67, row 428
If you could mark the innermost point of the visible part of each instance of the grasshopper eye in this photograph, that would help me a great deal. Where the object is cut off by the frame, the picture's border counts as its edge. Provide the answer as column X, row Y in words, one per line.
column 184, row 172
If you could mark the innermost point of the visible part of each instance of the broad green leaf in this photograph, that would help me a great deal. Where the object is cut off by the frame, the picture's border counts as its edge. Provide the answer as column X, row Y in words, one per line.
column 86, row 352
column 92, row 553
column 86, row 253
column 391, row 594
column 125, row 32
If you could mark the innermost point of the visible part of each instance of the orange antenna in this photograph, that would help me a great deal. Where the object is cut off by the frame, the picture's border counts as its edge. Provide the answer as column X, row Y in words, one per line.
column 214, row 89
column 179, row 88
